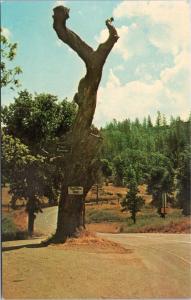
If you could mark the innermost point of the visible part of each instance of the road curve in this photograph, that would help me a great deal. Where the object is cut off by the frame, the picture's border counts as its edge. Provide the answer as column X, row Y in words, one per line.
column 164, row 268
column 167, row 261
column 157, row 266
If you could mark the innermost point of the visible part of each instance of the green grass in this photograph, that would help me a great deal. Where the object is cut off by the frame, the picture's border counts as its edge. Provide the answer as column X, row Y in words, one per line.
column 174, row 222
column 98, row 216
column 147, row 221
column 10, row 232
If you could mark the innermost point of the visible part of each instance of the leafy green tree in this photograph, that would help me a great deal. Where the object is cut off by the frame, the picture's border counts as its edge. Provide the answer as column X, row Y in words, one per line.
column 37, row 119
column 9, row 77
column 25, row 175
column 161, row 180
column 106, row 168
column 41, row 123
column 164, row 121
column 159, row 119
column 154, row 151
column 37, row 124
column 144, row 123
column 149, row 122
column 132, row 202
column 177, row 139
column 184, row 182
column 119, row 170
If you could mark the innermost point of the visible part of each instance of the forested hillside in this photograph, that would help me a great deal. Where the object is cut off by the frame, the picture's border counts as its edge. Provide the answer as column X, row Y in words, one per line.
column 159, row 154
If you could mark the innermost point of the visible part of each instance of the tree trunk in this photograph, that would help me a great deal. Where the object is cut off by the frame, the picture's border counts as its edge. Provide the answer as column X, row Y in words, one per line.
column 80, row 163
column 134, row 217
column 31, row 218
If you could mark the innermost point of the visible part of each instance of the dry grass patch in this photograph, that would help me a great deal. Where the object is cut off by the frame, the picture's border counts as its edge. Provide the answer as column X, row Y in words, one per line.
column 88, row 241
column 182, row 226
column 104, row 227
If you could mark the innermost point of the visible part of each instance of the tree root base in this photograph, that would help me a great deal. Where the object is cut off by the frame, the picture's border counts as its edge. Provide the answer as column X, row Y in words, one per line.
column 61, row 239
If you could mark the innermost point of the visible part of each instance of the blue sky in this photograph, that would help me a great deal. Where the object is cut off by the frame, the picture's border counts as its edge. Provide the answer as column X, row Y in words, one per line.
column 148, row 69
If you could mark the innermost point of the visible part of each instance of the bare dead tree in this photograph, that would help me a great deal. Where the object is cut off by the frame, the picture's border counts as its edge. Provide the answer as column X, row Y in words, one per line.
column 80, row 162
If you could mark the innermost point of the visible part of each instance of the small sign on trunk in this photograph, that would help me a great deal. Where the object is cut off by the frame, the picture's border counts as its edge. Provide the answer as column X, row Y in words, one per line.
column 75, row 190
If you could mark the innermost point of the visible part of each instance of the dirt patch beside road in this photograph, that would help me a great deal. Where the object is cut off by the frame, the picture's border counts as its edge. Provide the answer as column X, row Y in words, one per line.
column 88, row 241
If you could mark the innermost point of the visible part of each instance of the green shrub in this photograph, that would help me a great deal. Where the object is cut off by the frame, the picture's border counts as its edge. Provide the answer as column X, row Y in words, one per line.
column 10, row 231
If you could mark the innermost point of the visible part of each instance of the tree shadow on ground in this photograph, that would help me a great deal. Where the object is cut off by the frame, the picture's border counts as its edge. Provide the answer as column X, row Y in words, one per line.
column 28, row 244
column 16, row 247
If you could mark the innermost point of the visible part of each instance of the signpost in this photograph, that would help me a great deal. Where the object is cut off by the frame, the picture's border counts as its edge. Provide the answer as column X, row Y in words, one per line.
column 75, row 190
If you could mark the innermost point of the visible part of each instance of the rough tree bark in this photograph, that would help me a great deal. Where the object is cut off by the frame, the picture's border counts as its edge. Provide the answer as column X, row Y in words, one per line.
column 80, row 162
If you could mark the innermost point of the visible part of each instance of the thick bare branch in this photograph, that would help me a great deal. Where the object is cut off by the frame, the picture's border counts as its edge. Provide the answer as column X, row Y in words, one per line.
column 61, row 14
column 104, row 49
column 87, row 54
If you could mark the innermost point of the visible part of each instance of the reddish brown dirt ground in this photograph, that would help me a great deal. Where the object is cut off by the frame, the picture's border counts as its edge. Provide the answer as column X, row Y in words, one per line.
column 20, row 219
column 88, row 241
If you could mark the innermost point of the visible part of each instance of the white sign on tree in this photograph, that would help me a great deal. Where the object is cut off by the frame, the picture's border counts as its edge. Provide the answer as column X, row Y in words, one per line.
column 75, row 190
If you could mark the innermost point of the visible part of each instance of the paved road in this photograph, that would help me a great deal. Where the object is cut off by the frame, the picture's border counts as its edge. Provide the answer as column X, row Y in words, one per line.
column 45, row 223
column 157, row 266
column 166, row 257
column 175, row 246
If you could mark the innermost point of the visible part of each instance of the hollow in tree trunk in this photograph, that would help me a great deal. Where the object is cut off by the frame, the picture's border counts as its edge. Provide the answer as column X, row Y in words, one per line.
column 80, row 163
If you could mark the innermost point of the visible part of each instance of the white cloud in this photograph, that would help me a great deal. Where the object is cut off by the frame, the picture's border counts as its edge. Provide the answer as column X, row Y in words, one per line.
column 119, row 68
column 118, row 101
column 6, row 32
column 142, row 72
column 138, row 99
column 113, row 80
column 179, row 73
column 177, row 82
column 170, row 28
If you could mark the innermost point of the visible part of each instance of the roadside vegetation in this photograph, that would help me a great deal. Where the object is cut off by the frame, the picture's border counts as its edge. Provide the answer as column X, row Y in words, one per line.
column 11, row 231
column 157, row 151
column 147, row 220
column 173, row 223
